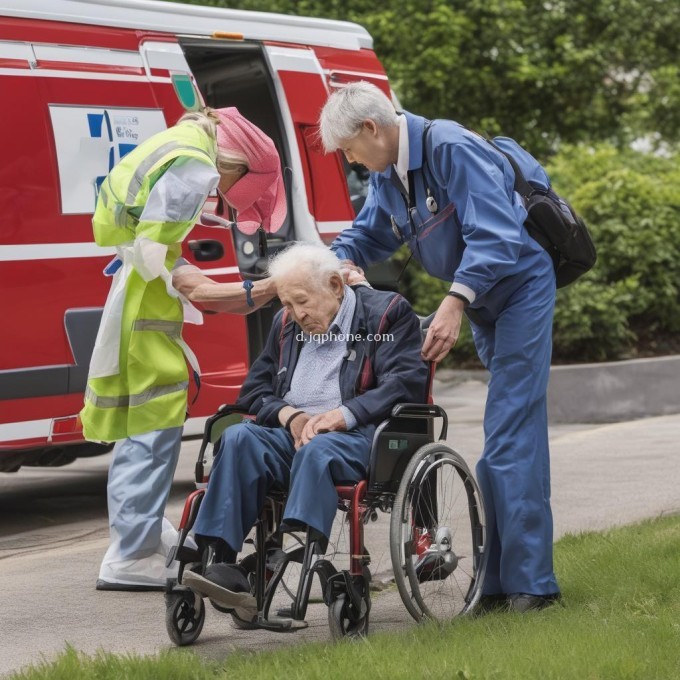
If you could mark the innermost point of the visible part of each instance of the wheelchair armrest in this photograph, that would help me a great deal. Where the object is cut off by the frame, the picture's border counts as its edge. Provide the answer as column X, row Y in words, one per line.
column 226, row 409
column 222, row 411
column 423, row 411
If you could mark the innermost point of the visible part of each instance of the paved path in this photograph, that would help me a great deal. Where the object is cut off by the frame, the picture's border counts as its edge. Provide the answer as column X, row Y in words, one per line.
column 53, row 534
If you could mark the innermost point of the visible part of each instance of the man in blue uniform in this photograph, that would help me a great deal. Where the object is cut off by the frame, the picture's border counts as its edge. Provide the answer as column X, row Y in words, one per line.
column 448, row 194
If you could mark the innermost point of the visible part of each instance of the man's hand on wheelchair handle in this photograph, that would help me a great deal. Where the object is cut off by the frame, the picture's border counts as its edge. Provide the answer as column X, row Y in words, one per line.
column 444, row 329
column 331, row 421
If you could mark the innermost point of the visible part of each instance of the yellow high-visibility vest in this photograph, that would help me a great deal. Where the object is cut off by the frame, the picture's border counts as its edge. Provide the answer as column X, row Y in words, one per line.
column 149, row 390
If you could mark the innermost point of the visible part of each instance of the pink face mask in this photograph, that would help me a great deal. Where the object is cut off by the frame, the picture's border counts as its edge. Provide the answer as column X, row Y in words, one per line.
column 259, row 197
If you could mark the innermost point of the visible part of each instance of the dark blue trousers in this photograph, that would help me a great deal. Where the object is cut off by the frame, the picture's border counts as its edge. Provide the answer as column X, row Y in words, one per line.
column 253, row 459
column 514, row 341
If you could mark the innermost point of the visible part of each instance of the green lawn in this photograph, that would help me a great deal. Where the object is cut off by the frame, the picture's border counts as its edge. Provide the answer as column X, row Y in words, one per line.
column 619, row 620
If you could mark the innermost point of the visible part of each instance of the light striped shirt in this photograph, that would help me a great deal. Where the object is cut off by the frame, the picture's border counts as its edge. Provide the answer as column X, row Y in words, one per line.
column 315, row 386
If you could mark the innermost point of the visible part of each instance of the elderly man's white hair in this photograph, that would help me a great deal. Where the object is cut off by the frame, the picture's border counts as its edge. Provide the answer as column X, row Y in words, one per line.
column 346, row 110
column 316, row 261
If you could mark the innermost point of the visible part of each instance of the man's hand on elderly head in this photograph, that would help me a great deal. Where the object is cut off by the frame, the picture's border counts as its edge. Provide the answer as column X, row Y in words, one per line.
column 352, row 277
column 348, row 264
column 331, row 421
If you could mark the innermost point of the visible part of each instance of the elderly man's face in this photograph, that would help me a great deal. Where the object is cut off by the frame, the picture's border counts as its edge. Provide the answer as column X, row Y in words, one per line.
column 374, row 147
column 312, row 306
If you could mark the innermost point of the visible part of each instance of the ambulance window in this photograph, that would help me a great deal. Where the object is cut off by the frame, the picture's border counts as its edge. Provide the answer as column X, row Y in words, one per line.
column 357, row 183
column 186, row 91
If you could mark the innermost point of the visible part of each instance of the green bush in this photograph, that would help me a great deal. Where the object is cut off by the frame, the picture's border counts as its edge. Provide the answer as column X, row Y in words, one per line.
column 629, row 305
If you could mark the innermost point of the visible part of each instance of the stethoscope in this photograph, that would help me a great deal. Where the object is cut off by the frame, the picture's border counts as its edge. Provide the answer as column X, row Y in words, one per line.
column 430, row 201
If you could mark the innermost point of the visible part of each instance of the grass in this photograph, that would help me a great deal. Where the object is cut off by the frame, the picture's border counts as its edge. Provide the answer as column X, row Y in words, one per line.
column 620, row 620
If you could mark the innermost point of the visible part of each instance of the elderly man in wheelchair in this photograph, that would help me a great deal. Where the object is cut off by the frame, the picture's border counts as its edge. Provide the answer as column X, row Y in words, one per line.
column 339, row 399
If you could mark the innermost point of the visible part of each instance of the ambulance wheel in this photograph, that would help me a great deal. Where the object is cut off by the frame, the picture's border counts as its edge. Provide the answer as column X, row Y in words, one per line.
column 184, row 617
column 341, row 624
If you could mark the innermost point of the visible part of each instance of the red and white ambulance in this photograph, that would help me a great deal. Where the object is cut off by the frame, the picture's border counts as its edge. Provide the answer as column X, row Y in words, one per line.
column 83, row 82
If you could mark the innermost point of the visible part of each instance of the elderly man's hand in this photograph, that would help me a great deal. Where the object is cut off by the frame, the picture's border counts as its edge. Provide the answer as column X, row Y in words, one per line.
column 297, row 427
column 444, row 329
column 331, row 421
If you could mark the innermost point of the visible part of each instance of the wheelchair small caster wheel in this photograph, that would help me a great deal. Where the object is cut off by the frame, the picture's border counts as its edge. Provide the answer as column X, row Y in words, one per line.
column 184, row 617
column 342, row 625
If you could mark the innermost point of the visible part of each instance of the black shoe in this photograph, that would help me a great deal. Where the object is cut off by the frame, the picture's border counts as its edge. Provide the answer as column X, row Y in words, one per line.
column 227, row 586
column 524, row 602
column 432, row 567
column 491, row 603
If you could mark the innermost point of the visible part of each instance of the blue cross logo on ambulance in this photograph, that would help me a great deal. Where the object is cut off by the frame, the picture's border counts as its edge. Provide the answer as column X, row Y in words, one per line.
column 89, row 141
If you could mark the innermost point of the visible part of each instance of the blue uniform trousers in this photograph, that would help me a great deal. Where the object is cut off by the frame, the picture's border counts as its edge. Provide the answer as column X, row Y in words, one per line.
column 139, row 484
column 252, row 459
column 513, row 336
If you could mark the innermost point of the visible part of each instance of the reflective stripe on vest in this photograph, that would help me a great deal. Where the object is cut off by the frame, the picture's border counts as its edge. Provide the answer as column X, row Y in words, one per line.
column 145, row 166
column 131, row 400
column 126, row 189
column 171, row 328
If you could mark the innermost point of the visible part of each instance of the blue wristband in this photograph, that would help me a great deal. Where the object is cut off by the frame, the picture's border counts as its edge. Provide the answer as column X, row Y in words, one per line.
column 248, row 285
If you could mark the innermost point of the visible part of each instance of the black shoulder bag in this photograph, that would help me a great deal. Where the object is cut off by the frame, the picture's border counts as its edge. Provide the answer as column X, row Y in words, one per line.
column 556, row 226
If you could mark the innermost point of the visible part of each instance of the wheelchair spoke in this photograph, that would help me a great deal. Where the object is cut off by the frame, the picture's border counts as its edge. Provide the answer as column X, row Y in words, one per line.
column 437, row 513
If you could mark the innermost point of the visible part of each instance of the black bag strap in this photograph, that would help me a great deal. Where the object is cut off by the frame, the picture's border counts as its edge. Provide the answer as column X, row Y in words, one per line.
column 522, row 187
column 525, row 190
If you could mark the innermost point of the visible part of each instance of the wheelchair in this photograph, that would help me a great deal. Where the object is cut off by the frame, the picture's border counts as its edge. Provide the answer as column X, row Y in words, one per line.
column 437, row 536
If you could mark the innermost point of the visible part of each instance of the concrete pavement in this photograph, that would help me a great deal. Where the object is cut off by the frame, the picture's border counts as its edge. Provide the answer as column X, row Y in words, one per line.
column 53, row 534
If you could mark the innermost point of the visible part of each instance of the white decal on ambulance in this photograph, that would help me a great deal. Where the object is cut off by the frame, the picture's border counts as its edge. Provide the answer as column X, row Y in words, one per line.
column 90, row 141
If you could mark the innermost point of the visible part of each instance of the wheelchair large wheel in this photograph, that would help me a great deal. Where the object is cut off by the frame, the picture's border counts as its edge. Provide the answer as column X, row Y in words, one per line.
column 437, row 535
column 184, row 617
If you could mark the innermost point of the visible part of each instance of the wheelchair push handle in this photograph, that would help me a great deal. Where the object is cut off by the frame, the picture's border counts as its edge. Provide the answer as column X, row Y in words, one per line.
column 425, row 322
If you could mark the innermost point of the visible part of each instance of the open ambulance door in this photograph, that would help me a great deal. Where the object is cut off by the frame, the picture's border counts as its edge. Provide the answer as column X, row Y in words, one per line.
column 319, row 190
column 327, row 190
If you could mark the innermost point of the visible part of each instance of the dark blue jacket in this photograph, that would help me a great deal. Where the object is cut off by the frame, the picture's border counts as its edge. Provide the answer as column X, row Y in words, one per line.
column 374, row 375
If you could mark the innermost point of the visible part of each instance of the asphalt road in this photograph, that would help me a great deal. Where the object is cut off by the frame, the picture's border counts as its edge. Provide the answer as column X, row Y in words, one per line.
column 53, row 533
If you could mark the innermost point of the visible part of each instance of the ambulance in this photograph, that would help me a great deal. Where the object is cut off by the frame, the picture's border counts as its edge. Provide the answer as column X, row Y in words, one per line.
column 83, row 83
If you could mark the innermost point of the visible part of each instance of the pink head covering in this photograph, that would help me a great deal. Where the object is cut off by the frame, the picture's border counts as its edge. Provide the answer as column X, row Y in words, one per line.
column 259, row 197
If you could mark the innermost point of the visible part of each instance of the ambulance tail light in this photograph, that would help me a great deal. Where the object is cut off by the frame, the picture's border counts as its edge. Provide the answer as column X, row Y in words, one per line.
column 66, row 429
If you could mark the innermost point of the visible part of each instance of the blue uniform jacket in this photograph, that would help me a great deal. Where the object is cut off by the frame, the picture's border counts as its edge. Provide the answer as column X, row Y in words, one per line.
column 374, row 376
column 477, row 236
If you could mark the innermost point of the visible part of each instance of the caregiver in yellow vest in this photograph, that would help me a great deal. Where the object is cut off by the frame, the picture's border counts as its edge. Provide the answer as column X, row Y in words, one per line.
column 138, row 380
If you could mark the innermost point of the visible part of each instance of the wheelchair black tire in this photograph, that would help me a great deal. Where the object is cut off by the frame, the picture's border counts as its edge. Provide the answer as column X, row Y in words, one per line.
column 340, row 625
column 184, row 617
column 426, row 461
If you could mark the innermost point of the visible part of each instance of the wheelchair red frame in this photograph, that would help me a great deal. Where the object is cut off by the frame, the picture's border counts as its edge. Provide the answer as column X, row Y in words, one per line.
column 345, row 592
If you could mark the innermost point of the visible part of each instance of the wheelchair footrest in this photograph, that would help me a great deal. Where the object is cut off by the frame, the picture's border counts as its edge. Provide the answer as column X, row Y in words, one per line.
column 280, row 625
